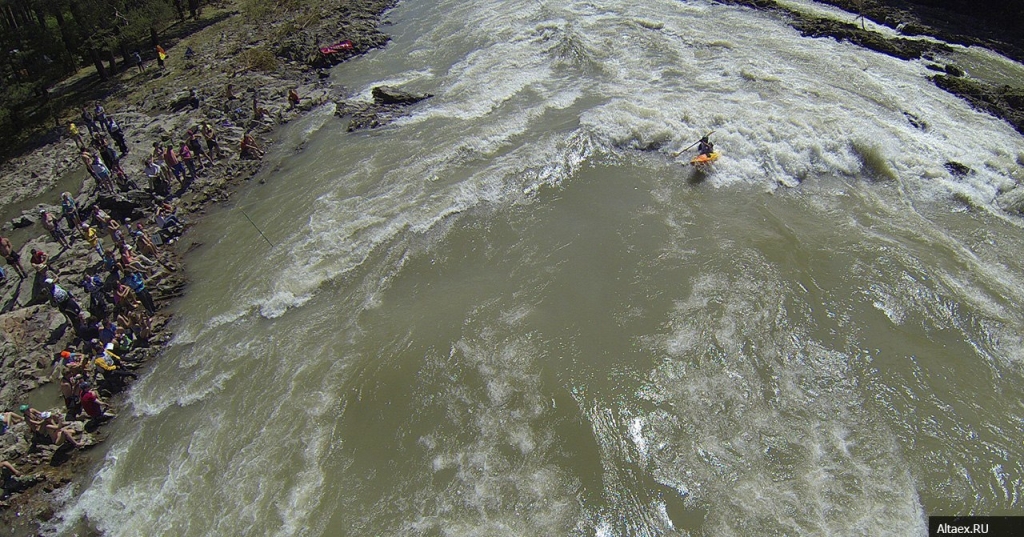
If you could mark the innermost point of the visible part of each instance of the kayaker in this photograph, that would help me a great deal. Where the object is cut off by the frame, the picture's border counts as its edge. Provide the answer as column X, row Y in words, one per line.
column 705, row 147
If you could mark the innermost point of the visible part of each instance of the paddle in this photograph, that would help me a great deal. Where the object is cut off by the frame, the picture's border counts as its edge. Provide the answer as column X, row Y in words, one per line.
column 680, row 152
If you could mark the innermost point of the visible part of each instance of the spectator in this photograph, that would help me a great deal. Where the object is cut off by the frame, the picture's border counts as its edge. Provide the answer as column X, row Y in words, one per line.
column 98, row 301
column 65, row 303
column 117, row 134
column 12, row 256
column 250, row 149
column 52, row 226
column 100, row 115
column 112, row 370
column 93, row 406
column 70, row 210
column 88, row 121
column 76, row 135
column 102, row 174
column 8, row 420
column 137, row 58
column 175, row 164
column 134, row 280
column 195, row 143
column 40, row 262
column 212, row 147
column 186, row 157
column 12, row 481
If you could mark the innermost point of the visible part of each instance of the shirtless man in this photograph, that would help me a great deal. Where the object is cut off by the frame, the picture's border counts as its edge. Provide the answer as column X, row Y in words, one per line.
column 52, row 225
column 249, row 147
column 12, row 256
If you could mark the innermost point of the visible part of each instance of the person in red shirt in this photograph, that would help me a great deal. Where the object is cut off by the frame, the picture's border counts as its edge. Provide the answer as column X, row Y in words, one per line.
column 93, row 406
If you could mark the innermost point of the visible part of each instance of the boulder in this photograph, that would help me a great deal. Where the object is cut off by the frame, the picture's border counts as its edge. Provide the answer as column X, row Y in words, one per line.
column 22, row 221
column 390, row 95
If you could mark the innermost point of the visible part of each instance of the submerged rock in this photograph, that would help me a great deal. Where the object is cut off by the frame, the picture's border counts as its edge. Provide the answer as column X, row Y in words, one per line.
column 388, row 104
column 390, row 95
column 957, row 169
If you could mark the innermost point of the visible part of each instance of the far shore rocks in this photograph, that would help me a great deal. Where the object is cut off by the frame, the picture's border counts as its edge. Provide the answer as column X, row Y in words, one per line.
column 1004, row 102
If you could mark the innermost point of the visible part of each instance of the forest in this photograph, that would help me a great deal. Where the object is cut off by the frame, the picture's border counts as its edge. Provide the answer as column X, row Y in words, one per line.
column 46, row 41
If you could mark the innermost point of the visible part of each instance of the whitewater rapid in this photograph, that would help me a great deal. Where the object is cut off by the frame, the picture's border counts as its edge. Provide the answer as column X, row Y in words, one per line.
column 511, row 312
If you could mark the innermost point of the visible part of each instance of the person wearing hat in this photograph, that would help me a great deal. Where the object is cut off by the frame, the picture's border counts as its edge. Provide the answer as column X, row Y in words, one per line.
column 91, row 236
column 109, row 365
column 37, row 421
column 705, row 147
column 74, row 362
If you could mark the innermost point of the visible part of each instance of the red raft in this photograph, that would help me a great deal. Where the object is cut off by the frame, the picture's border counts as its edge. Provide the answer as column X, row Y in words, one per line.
column 344, row 46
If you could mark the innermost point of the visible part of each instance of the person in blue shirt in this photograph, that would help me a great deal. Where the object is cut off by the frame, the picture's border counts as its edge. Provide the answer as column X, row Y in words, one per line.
column 135, row 281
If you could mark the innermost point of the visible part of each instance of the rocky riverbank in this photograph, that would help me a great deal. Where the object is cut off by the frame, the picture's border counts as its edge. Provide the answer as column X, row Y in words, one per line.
column 233, row 69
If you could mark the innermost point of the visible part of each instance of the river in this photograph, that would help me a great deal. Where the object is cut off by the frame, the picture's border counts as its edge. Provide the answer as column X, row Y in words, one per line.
column 513, row 313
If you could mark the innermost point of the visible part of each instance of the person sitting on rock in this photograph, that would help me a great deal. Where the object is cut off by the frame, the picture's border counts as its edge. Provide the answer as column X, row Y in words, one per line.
column 8, row 420
column 93, row 406
column 249, row 148
column 258, row 112
column 11, row 480
column 168, row 223
column 124, row 298
column 74, row 362
column 59, row 434
column 143, row 242
column 100, row 217
column 137, row 283
column 110, row 367
column 37, row 420
column 86, row 329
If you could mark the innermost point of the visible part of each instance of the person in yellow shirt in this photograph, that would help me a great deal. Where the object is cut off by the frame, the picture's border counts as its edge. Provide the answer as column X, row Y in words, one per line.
column 109, row 365
column 76, row 135
column 92, row 237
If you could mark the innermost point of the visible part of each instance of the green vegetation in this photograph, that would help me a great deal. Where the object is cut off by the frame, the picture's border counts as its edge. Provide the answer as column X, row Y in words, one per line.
column 45, row 41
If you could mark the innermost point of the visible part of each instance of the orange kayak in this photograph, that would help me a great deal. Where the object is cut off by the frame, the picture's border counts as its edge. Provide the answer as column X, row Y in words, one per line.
column 701, row 160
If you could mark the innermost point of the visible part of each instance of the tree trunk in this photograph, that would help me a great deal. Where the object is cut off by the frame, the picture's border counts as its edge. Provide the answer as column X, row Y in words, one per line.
column 40, row 15
column 180, row 8
column 112, row 60
column 65, row 36
column 98, row 62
